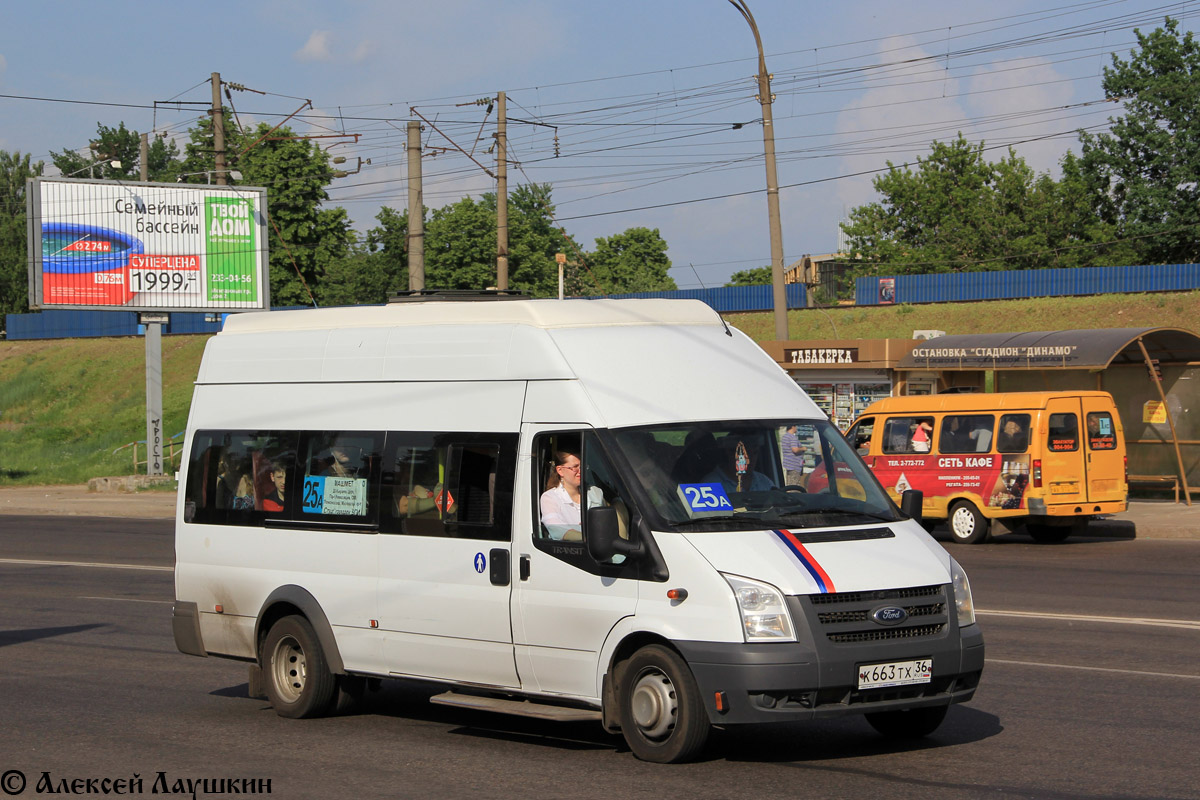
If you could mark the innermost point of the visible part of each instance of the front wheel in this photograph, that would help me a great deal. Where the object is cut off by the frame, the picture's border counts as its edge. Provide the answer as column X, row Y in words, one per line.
column 911, row 723
column 299, row 683
column 967, row 525
column 662, row 715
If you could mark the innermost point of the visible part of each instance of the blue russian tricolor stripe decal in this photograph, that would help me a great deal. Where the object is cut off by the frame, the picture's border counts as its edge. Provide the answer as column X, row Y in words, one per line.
column 806, row 559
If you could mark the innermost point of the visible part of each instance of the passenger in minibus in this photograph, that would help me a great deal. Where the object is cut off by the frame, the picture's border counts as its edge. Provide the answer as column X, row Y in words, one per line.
column 561, row 513
column 921, row 436
column 235, row 489
column 274, row 500
column 1011, row 438
column 346, row 461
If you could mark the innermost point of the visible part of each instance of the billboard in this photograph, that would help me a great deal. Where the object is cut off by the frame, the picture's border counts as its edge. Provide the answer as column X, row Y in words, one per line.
column 147, row 246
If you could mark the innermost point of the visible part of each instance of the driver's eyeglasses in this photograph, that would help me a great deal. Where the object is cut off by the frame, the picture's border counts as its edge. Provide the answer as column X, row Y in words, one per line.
column 570, row 469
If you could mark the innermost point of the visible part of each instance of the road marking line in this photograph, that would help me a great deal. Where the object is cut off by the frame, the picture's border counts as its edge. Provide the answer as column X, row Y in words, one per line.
column 1093, row 669
column 100, row 565
column 1160, row 623
column 127, row 600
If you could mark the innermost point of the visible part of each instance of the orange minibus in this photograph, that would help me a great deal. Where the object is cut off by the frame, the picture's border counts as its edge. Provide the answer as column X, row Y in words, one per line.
column 1047, row 460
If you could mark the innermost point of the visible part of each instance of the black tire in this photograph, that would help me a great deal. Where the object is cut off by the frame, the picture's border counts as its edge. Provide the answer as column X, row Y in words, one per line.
column 662, row 715
column 297, row 677
column 967, row 525
column 910, row 723
column 1048, row 534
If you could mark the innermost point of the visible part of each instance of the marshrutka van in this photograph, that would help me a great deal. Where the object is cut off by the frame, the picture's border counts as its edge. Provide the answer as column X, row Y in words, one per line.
column 387, row 492
column 1047, row 460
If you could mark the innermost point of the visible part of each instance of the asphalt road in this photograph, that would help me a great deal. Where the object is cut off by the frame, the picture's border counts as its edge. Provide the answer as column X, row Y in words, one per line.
column 1092, row 690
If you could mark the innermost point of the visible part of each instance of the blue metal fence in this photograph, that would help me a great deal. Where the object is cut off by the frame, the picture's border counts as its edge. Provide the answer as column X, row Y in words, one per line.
column 64, row 324
column 728, row 298
column 1014, row 284
column 78, row 323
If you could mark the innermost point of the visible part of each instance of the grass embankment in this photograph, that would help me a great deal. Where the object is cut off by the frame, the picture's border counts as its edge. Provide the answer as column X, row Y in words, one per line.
column 1164, row 309
column 67, row 404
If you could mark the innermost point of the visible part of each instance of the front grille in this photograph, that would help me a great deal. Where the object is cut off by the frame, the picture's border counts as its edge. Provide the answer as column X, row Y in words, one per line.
column 845, row 617
column 886, row 633
column 862, row 615
column 879, row 595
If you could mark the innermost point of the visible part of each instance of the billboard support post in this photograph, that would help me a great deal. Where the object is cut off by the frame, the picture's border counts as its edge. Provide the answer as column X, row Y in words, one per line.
column 154, row 416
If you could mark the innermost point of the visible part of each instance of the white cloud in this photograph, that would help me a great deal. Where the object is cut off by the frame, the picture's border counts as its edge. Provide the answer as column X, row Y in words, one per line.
column 315, row 49
column 364, row 50
column 897, row 120
column 1020, row 89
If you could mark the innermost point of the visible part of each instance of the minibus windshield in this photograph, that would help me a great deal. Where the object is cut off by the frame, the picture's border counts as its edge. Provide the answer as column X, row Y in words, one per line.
column 752, row 474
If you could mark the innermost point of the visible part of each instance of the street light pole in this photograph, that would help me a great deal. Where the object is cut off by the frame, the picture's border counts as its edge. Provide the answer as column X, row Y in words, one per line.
column 765, row 98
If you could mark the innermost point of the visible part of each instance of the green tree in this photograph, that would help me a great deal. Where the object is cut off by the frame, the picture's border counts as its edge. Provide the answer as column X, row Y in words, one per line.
column 958, row 212
column 1144, row 171
column 360, row 277
column 15, row 169
column 304, row 239
column 460, row 243
column 633, row 261
column 750, row 277
column 122, row 145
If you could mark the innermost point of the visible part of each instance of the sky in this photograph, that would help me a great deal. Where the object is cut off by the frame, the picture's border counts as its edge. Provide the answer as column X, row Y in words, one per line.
column 640, row 113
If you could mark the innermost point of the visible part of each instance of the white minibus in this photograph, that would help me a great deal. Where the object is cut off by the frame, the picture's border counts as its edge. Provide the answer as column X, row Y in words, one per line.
column 568, row 509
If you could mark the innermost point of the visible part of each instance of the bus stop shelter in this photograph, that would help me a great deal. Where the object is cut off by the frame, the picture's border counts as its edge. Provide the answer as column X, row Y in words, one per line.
column 1153, row 375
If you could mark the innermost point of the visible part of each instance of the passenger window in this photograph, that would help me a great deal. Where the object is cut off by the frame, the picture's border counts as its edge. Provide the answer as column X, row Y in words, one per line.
column 456, row 485
column 1014, row 433
column 239, row 477
column 907, row 435
column 966, row 433
column 1102, row 434
column 340, row 471
column 1064, row 433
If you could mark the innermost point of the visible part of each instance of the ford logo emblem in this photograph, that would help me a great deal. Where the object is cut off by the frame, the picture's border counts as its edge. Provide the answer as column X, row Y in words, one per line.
column 889, row 615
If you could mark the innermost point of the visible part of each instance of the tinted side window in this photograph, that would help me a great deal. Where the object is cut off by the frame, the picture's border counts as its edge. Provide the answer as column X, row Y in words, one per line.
column 907, row 435
column 457, row 485
column 966, row 433
column 240, row 477
column 1064, row 433
column 1102, row 434
column 340, row 478
column 1013, row 435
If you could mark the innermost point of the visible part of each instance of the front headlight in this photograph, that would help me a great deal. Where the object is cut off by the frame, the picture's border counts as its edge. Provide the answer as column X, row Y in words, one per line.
column 765, row 616
column 962, row 594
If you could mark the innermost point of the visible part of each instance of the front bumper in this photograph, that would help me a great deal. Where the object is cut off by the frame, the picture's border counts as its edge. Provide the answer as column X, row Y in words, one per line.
column 793, row 681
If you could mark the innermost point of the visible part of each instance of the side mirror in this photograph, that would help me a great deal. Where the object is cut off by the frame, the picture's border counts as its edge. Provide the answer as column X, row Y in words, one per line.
column 603, row 535
column 911, row 502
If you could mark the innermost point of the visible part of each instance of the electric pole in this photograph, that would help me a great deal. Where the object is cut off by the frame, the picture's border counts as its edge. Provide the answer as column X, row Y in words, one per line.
column 218, row 119
column 501, row 193
column 416, row 210
column 144, row 158
column 766, row 98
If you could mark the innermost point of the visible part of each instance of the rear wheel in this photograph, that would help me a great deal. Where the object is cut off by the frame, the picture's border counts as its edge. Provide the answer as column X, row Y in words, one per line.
column 662, row 716
column 911, row 723
column 298, row 681
column 967, row 525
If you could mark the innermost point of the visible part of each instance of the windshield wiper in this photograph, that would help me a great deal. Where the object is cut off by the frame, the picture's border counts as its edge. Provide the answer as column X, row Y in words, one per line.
column 743, row 516
column 835, row 510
